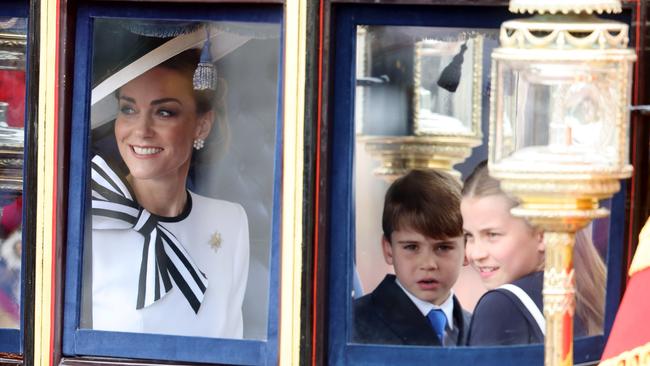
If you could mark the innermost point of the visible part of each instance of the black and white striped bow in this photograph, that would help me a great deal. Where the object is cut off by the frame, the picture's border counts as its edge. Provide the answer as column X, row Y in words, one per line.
column 165, row 262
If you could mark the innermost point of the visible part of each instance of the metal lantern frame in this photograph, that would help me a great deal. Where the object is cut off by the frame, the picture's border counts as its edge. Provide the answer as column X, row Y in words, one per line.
column 561, row 198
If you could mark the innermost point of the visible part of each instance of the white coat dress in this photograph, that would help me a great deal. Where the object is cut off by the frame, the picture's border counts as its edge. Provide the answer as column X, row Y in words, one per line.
column 215, row 234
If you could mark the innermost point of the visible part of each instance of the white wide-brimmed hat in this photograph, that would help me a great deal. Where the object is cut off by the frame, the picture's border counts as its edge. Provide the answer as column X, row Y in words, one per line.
column 224, row 38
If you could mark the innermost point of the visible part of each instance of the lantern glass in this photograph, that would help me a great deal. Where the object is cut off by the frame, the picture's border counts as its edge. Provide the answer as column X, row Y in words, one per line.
column 441, row 94
column 561, row 113
column 418, row 81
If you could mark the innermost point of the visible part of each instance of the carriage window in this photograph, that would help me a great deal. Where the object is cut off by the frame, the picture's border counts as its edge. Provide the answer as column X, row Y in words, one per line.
column 412, row 81
column 180, row 210
column 416, row 96
column 13, row 43
column 416, row 89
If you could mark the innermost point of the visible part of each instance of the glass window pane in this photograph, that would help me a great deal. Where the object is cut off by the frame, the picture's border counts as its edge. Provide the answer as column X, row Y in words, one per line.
column 417, row 82
column 12, row 120
column 182, row 206
column 410, row 81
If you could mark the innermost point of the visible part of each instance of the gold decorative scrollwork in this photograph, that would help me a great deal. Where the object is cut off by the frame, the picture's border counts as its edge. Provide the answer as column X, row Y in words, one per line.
column 552, row 239
column 565, row 7
column 399, row 154
column 559, row 291
column 532, row 34
column 13, row 40
column 634, row 357
column 578, row 188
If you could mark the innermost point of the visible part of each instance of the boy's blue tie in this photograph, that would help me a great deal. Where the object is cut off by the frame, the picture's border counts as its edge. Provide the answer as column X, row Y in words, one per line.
column 438, row 322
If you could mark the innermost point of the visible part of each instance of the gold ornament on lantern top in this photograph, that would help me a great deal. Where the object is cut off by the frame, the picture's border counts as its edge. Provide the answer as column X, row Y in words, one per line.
column 559, row 132
column 565, row 6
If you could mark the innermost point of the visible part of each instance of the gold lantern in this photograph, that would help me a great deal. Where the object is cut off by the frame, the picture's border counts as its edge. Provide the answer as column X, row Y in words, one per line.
column 445, row 100
column 559, row 127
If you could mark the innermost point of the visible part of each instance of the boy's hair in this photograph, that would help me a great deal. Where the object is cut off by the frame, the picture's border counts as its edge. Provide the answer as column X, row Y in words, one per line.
column 427, row 201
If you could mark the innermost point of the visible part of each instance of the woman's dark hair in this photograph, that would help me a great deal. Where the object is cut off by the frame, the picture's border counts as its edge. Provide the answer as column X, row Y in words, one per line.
column 185, row 63
column 217, row 143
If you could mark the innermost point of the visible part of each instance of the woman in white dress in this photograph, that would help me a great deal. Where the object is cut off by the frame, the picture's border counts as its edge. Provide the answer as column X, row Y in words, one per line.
column 164, row 259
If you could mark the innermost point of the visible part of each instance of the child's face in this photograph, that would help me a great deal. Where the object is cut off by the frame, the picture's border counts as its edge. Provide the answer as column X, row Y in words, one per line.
column 426, row 267
column 501, row 247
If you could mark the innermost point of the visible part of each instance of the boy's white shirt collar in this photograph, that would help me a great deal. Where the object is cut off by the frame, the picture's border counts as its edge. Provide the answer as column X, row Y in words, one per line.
column 425, row 307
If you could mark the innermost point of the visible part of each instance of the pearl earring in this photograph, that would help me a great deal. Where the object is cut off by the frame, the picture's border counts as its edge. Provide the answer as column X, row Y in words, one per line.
column 198, row 144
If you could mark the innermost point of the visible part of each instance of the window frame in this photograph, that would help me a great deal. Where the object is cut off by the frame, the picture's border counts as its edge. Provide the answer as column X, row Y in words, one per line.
column 339, row 197
column 93, row 343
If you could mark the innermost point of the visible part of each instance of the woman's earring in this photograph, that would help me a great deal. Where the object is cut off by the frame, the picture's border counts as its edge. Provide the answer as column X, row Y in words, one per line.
column 198, row 144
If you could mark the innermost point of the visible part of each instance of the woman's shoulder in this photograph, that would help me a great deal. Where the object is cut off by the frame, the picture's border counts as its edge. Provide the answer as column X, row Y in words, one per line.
column 499, row 319
column 500, row 305
column 498, row 299
column 219, row 220
column 530, row 282
column 532, row 285
column 495, row 303
column 214, row 205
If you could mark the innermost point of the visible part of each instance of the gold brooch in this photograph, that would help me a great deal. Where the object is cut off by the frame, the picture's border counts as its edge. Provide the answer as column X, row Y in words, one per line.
column 215, row 241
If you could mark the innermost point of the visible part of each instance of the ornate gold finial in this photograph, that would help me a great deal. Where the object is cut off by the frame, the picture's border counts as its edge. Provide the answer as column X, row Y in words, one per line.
column 565, row 6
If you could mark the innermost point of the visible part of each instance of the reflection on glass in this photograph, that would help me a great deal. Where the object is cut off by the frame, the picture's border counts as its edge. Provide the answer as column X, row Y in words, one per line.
column 12, row 116
column 181, row 218
column 441, row 99
column 418, row 97
column 418, row 81
column 561, row 109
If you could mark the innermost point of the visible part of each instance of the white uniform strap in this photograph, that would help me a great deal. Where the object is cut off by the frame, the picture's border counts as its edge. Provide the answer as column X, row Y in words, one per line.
column 529, row 304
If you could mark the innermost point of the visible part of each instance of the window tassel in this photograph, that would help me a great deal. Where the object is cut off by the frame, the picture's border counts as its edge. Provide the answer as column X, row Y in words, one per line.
column 205, row 76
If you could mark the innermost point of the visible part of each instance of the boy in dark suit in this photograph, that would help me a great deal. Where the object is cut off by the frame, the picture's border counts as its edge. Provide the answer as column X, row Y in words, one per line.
column 423, row 241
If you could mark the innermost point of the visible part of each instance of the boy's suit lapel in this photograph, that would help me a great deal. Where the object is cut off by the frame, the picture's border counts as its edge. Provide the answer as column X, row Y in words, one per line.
column 400, row 315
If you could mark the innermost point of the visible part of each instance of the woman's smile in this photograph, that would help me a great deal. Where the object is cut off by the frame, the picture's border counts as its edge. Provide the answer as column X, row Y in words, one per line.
column 486, row 272
column 145, row 150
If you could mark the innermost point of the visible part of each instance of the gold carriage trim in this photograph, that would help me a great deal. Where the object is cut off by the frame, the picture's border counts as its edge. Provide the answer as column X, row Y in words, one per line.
column 641, row 259
column 565, row 7
column 639, row 356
